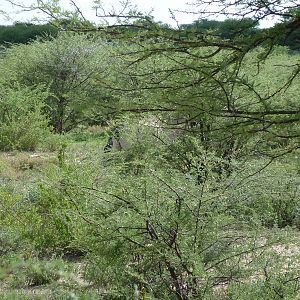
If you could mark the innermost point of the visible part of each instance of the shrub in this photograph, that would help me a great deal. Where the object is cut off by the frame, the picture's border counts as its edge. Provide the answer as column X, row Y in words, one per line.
column 55, row 209
column 271, row 287
column 165, row 234
column 22, row 122
column 48, row 213
column 271, row 198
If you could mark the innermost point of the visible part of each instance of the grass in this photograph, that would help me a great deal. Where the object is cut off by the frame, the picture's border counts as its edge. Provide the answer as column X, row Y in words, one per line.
column 21, row 165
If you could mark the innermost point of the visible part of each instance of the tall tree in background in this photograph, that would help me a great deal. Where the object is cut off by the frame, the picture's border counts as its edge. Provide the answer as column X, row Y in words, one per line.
column 66, row 66
column 215, row 59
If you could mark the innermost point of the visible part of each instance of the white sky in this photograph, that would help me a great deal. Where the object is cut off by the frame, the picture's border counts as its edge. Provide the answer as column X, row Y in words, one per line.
column 160, row 10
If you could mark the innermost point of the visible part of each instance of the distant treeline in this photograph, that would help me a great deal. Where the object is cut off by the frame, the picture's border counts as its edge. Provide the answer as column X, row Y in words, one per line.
column 235, row 28
column 23, row 33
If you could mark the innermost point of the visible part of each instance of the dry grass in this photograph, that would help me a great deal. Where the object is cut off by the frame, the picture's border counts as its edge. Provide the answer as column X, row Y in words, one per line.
column 13, row 165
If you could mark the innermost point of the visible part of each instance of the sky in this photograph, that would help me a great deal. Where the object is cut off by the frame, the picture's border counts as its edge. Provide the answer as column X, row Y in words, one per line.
column 160, row 7
column 160, row 10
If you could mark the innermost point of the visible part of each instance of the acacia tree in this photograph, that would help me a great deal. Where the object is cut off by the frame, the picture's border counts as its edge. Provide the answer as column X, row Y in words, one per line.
column 169, row 40
column 216, row 62
column 66, row 66
column 204, row 76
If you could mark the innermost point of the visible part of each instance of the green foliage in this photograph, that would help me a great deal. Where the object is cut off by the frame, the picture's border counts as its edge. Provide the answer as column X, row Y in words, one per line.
column 48, row 215
column 9, row 238
column 23, row 125
column 66, row 66
column 19, row 296
column 55, row 225
column 275, row 206
column 164, row 231
column 144, row 231
column 227, row 29
column 23, row 33
column 281, row 286
column 187, row 208
column 57, row 205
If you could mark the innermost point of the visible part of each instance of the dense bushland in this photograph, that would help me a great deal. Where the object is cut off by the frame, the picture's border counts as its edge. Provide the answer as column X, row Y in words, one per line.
column 138, row 220
column 169, row 168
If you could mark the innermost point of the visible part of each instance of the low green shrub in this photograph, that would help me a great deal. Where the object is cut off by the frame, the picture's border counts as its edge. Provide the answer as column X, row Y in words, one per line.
column 48, row 213
column 23, row 125
column 271, row 198
column 272, row 287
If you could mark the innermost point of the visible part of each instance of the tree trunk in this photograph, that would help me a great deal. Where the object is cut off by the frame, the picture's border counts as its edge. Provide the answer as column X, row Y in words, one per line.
column 59, row 124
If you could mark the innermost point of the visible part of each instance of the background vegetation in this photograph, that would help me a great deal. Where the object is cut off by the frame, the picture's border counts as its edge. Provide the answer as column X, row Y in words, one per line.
column 141, row 161
column 24, row 33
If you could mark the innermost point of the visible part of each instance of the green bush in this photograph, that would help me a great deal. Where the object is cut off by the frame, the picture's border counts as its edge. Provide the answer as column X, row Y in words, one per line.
column 271, row 198
column 23, row 126
column 273, row 287
column 56, row 209
column 162, row 232
column 48, row 214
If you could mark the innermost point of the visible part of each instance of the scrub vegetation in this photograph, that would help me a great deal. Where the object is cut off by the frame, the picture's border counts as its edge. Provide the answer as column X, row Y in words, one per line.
column 141, row 161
